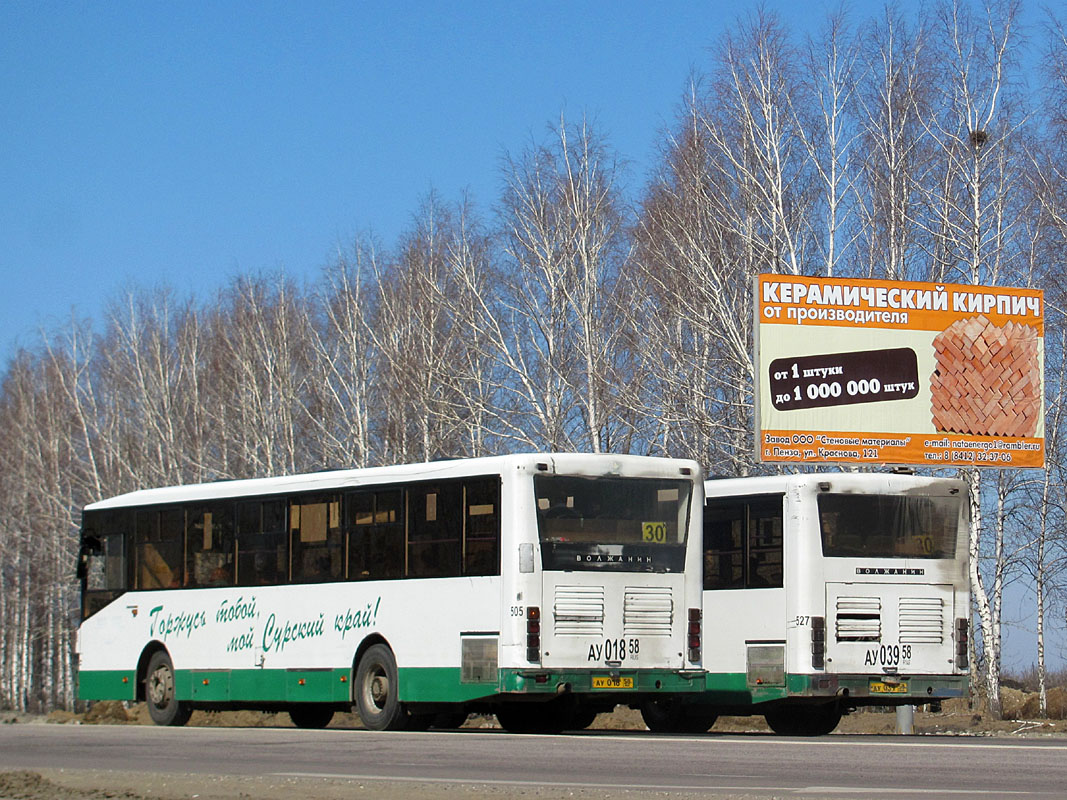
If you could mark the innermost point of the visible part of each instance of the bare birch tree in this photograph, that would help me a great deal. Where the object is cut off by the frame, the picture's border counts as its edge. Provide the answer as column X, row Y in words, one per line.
column 37, row 537
column 1048, row 565
column 696, row 311
column 826, row 125
column 474, row 289
column 892, row 95
column 150, row 369
column 973, row 215
column 735, row 196
column 345, row 365
column 432, row 368
column 1047, row 560
column 258, row 351
column 561, row 216
column 758, row 148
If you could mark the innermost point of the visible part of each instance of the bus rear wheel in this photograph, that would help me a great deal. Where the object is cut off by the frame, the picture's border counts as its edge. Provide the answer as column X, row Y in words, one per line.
column 551, row 717
column 676, row 716
column 311, row 715
column 582, row 717
column 159, row 690
column 804, row 720
column 377, row 699
column 530, row 718
column 448, row 720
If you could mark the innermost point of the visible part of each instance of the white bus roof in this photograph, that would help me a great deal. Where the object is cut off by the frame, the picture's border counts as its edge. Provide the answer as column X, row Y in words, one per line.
column 592, row 464
column 872, row 482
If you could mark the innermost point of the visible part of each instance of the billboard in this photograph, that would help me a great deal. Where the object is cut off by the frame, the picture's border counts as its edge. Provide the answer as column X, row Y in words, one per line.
column 887, row 372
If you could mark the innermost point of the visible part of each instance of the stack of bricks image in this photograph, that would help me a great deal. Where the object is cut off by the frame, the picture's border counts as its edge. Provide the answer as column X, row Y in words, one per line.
column 987, row 379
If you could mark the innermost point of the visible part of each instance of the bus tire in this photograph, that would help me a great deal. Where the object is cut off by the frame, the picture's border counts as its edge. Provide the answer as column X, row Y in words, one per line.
column 311, row 715
column 550, row 717
column 582, row 717
column 804, row 720
column 377, row 698
column 160, row 693
column 676, row 716
column 449, row 720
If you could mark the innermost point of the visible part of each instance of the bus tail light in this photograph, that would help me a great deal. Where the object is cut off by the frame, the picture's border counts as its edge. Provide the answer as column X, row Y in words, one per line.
column 962, row 635
column 694, row 634
column 533, row 634
column 818, row 642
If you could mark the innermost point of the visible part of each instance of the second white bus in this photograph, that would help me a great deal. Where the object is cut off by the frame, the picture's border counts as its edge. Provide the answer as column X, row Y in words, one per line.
column 542, row 588
column 828, row 591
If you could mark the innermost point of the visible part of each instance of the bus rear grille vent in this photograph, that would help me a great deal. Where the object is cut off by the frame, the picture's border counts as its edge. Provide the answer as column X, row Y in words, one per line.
column 578, row 611
column 921, row 620
column 648, row 611
column 859, row 619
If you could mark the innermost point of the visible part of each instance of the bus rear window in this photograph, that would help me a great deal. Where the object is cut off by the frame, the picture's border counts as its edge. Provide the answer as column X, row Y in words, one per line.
column 888, row 526
column 612, row 523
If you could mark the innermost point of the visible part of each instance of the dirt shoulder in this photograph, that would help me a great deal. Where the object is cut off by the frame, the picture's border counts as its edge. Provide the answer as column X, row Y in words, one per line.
column 100, row 785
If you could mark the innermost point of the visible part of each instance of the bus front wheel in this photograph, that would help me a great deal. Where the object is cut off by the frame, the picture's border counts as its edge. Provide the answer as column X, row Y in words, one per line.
column 804, row 720
column 159, row 691
column 377, row 699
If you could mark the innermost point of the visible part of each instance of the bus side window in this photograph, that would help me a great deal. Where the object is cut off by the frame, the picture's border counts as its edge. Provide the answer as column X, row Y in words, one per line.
column 435, row 515
column 103, row 558
column 115, row 527
column 481, row 527
column 317, row 545
column 743, row 543
column 724, row 546
column 765, row 544
column 158, row 552
column 106, row 568
column 375, row 524
column 209, row 546
column 262, row 553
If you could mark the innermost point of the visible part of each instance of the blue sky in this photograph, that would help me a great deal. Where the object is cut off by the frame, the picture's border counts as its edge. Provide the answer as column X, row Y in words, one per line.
column 182, row 143
column 147, row 142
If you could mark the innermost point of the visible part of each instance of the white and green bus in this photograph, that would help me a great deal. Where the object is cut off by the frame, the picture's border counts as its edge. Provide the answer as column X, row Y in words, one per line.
column 542, row 588
column 828, row 591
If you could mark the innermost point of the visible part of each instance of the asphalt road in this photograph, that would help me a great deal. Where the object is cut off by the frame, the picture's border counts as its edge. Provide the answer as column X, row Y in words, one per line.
column 611, row 763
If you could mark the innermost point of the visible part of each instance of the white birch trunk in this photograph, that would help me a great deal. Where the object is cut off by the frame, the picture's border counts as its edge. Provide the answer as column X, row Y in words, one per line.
column 978, row 590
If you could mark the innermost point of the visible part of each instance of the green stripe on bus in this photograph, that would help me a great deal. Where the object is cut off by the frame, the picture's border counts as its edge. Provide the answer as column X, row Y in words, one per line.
column 733, row 689
column 440, row 685
column 221, row 686
column 417, row 684
column 261, row 685
column 283, row 685
column 107, row 685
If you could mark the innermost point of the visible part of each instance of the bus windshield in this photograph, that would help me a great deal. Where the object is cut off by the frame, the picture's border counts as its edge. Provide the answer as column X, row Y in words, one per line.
column 889, row 526
column 628, row 524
